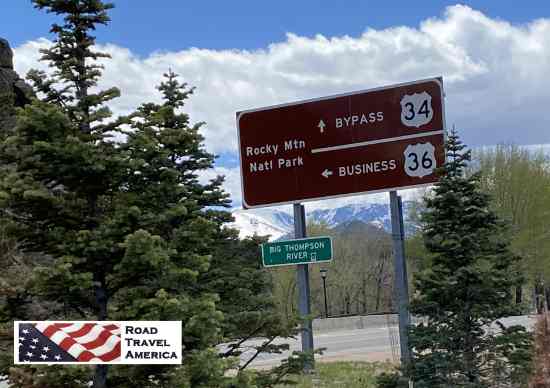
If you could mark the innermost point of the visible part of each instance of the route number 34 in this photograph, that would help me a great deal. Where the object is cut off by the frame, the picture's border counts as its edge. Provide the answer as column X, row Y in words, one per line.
column 419, row 159
column 416, row 109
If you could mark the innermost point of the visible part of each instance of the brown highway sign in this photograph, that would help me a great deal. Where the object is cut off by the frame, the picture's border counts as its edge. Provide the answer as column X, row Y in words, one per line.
column 367, row 141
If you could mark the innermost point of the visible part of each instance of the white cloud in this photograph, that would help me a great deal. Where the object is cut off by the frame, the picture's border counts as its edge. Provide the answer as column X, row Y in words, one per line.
column 232, row 183
column 495, row 74
column 28, row 55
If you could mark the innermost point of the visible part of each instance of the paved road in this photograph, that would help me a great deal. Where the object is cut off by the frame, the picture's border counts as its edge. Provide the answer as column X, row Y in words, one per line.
column 372, row 344
column 369, row 344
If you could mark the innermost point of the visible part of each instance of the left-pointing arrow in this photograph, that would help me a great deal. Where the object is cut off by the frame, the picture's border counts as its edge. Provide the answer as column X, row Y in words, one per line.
column 326, row 173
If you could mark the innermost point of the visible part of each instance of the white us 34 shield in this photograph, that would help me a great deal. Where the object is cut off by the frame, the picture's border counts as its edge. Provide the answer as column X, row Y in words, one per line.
column 416, row 109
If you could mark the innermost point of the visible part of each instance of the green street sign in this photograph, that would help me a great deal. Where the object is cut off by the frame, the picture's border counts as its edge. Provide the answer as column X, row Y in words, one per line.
column 300, row 251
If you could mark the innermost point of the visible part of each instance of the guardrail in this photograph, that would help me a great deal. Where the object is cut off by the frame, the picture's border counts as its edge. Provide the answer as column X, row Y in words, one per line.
column 352, row 322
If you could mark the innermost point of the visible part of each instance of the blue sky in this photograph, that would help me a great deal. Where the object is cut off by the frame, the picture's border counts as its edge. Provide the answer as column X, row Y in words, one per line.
column 147, row 26
column 494, row 57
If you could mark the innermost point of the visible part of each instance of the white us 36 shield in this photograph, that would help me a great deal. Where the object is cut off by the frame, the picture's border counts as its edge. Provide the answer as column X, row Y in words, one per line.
column 420, row 159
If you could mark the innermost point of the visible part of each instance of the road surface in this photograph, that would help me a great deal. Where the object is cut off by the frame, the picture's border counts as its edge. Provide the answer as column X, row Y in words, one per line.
column 372, row 344
column 369, row 344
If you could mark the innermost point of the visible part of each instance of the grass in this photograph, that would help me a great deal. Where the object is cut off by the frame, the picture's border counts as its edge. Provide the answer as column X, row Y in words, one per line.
column 342, row 375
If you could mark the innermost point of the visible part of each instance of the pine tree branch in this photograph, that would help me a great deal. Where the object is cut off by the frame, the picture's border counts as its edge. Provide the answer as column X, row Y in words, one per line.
column 15, row 216
column 76, row 308
column 237, row 345
column 258, row 351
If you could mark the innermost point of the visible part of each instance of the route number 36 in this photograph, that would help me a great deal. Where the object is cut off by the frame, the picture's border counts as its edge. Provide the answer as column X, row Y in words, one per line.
column 419, row 159
column 416, row 109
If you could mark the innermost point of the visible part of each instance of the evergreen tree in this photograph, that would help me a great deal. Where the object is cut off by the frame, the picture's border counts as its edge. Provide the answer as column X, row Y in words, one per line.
column 119, row 226
column 125, row 227
column 466, row 288
column 56, row 163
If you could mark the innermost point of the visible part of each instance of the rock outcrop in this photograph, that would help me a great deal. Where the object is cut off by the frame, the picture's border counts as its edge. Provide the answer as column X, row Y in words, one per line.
column 14, row 92
column 6, row 55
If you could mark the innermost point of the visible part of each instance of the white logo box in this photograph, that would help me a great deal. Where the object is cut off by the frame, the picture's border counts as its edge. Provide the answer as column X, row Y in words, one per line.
column 98, row 342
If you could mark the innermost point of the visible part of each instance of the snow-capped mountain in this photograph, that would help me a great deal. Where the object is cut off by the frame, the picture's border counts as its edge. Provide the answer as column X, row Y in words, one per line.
column 262, row 222
column 277, row 223
column 367, row 213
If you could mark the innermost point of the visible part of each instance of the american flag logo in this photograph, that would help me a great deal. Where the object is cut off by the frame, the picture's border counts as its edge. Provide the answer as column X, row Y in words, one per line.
column 51, row 342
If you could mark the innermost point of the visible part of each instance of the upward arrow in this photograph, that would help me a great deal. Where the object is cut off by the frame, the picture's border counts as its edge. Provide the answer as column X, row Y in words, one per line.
column 321, row 125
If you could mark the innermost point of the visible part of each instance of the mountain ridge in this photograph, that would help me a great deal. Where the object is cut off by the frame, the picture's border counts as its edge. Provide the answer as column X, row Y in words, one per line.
column 279, row 224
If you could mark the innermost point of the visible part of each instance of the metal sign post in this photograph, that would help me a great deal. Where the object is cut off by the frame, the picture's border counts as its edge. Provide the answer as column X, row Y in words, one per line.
column 400, row 270
column 302, row 273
